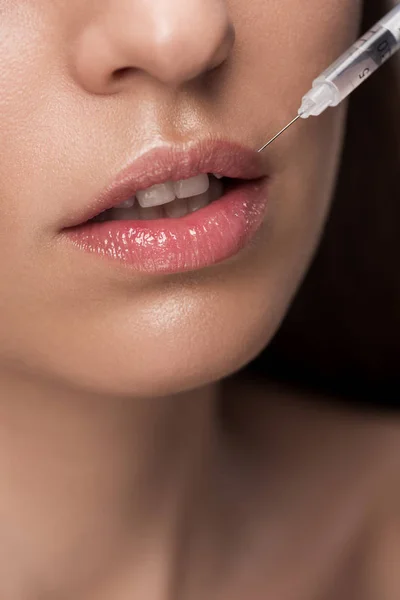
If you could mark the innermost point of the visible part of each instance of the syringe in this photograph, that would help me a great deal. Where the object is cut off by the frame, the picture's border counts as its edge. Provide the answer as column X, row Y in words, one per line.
column 352, row 69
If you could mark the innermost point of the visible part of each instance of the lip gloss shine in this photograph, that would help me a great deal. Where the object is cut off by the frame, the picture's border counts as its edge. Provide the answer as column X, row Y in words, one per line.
column 210, row 235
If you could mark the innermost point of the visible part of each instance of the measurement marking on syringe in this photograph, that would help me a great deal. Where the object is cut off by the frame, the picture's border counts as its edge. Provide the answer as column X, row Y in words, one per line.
column 354, row 67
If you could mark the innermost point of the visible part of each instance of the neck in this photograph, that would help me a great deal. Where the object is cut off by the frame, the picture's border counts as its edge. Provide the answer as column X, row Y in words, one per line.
column 85, row 477
column 107, row 498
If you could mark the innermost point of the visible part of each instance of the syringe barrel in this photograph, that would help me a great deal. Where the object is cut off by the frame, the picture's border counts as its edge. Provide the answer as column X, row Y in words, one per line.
column 392, row 22
column 355, row 66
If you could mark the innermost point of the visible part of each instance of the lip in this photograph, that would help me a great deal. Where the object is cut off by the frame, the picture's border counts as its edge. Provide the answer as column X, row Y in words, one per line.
column 199, row 239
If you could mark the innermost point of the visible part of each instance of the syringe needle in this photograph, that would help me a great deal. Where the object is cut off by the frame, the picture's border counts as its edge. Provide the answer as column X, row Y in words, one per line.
column 280, row 133
column 352, row 69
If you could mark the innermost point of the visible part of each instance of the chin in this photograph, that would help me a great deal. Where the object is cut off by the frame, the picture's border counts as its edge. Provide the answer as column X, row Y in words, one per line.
column 168, row 336
column 158, row 364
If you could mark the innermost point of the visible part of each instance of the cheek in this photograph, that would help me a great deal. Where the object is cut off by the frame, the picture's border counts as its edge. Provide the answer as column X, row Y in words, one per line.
column 283, row 33
column 281, row 46
column 24, row 72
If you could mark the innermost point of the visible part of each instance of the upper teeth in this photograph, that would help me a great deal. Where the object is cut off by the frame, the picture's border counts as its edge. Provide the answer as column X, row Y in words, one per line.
column 127, row 203
column 167, row 192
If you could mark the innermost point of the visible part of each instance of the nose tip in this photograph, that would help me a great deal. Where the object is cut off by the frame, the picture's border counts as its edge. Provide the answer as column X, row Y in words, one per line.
column 173, row 41
column 177, row 59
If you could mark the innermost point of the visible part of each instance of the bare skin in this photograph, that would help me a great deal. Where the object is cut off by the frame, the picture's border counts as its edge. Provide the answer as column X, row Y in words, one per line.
column 129, row 465
column 282, row 498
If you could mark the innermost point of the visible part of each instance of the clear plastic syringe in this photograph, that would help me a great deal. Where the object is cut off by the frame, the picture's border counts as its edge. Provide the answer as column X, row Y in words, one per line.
column 352, row 69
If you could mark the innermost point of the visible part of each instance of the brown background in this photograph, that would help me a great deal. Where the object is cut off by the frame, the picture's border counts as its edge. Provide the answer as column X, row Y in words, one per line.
column 342, row 334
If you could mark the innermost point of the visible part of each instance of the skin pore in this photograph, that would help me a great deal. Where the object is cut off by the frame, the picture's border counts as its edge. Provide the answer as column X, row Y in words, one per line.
column 125, row 469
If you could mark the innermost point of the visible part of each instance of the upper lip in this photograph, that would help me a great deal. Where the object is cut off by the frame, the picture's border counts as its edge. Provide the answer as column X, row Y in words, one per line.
column 172, row 163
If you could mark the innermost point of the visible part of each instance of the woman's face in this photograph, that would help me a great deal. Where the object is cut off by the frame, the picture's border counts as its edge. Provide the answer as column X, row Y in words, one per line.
column 89, row 86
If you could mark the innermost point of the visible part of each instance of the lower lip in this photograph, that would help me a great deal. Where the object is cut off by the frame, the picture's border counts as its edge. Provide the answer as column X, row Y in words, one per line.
column 198, row 240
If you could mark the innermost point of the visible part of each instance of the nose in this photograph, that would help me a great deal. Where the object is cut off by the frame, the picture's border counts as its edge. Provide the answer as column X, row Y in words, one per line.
column 173, row 41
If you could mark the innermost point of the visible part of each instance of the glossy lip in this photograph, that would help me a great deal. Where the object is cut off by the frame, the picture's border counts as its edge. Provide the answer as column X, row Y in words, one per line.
column 172, row 163
column 200, row 239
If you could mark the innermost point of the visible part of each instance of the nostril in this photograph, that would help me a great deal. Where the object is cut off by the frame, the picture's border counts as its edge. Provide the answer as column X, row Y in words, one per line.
column 174, row 44
column 224, row 48
column 122, row 73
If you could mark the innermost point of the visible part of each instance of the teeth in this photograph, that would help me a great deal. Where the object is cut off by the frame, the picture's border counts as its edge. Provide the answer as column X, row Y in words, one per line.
column 198, row 202
column 180, row 198
column 186, row 188
column 127, row 203
column 124, row 214
column 177, row 209
column 216, row 190
column 136, row 213
column 167, row 192
column 156, row 195
column 217, row 176
column 150, row 214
